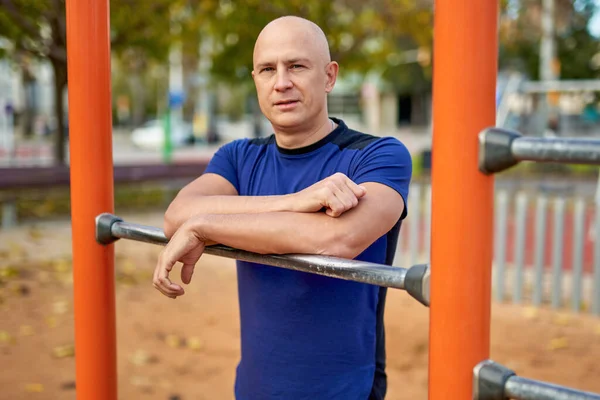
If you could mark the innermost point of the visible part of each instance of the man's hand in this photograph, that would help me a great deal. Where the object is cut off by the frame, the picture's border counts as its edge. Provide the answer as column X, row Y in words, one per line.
column 186, row 246
column 337, row 194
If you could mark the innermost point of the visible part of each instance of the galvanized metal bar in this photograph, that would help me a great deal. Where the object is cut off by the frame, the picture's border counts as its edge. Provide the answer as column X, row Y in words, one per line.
column 520, row 239
column 415, row 222
column 428, row 222
column 518, row 388
column 590, row 85
column 540, row 239
column 578, row 238
column 500, row 149
column 596, row 284
column 557, row 251
column 563, row 150
column 359, row 271
column 494, row 381
column 414, row 280
column 500, row 242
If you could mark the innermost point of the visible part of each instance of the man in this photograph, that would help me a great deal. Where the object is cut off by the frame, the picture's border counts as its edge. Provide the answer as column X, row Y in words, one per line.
column 314, row 187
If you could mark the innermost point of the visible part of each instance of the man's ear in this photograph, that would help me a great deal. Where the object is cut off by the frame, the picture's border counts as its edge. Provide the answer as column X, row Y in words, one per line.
column 331, row 71
column 252, row 74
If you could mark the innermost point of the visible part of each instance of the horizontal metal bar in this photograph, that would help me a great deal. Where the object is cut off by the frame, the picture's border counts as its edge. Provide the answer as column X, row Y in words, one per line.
column 526, row 389
column 563, row 150
column 561, row 86
column 500, row 149
column 414, row 280
column 493, row 381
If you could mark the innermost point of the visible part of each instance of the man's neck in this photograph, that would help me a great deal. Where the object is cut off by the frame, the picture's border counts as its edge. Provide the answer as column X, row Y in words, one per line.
column 289, row 139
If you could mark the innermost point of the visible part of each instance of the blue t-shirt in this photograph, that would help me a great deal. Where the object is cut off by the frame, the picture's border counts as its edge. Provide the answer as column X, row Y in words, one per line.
column 305, row 336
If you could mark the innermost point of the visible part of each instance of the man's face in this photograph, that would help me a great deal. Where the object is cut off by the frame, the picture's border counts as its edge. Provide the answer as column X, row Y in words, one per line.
column 292, row 77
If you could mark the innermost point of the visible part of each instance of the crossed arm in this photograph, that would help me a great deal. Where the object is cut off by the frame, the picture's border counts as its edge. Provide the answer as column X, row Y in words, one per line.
column 209, row 211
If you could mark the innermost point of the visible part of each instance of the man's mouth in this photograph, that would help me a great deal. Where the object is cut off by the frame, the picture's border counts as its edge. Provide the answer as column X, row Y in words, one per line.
column 285, row 102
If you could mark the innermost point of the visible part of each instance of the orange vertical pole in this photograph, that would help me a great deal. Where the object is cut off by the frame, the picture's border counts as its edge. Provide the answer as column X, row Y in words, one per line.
column 464, row 87
column 91, row 194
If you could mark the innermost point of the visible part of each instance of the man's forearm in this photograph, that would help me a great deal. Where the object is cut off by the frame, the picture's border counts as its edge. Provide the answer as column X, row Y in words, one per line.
column 280, row 233
column 188, row 206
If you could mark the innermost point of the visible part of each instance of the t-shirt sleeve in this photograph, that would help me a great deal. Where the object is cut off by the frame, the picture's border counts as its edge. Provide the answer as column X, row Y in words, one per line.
column 386, row 161
column 224, row 163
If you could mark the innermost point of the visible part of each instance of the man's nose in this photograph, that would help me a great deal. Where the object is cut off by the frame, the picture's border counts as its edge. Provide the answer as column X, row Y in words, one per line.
column 283, row 81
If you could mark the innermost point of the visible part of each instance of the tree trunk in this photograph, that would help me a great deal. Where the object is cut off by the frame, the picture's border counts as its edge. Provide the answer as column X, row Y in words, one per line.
column 60, row 82
column 138, row 98
column 29, row 81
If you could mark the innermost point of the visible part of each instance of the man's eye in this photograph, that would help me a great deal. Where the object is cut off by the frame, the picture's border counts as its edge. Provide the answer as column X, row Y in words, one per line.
column 267, row 69
column 296, row 66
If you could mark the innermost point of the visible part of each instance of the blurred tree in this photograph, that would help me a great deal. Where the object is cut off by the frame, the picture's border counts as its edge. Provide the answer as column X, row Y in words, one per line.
column 520, row 35
column 140, row 31
column 363, row 36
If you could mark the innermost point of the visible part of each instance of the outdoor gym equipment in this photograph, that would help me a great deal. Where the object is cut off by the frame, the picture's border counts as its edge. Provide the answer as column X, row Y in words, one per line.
column 464, row 81
column 414, row 280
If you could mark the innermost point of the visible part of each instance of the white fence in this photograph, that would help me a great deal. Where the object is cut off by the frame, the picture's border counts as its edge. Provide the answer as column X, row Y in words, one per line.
column 545, row 247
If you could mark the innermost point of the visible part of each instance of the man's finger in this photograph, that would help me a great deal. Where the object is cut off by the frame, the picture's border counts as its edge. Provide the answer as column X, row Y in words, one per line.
column 157, row 287
column 335, row 206
column 346, row 196
column 359, row 191
column 186, row 273
column 162, row 278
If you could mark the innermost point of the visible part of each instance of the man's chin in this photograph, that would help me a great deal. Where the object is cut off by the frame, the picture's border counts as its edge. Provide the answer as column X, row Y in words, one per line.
column 287, row 121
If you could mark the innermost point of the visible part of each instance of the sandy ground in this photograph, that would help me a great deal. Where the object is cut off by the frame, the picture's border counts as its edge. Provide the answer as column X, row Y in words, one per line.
column 189, row 348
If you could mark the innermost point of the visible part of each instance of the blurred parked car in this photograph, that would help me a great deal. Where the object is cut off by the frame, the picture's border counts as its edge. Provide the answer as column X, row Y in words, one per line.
column 151, row 135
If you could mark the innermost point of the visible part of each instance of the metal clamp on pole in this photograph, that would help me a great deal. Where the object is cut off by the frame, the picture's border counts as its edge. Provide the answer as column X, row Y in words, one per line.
column 492, row 381
column 489, row 380
column 500, row 149
column 415, row 280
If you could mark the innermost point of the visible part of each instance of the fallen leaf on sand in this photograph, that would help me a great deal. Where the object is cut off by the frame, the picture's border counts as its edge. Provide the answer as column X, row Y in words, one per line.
column 64, row 351
column 61, row 265
column 60, row 307
column 51, row 322
column 34, row 388
column 195, row 343
column 142, row 357
column 558, row 343
column 530, row 313
column 173, row 341
column 6, row 338
column 9, row 271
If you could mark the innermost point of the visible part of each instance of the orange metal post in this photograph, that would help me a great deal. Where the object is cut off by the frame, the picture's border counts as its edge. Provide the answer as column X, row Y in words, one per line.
column 464, row 85
column 91, row 194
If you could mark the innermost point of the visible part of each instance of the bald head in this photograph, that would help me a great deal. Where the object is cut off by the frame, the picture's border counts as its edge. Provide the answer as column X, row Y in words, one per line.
column 293, row 73
column 299, row 30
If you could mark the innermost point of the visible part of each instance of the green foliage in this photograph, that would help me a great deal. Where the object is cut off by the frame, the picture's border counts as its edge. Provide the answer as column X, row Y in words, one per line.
column 520, row 35
column 362, row 36
column 27, row 24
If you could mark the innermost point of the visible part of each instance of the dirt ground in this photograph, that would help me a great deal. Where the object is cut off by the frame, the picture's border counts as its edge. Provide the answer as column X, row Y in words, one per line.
column 188, row 348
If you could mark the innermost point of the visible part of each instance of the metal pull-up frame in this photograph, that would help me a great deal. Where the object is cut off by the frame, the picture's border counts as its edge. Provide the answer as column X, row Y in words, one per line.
column 414, row 280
